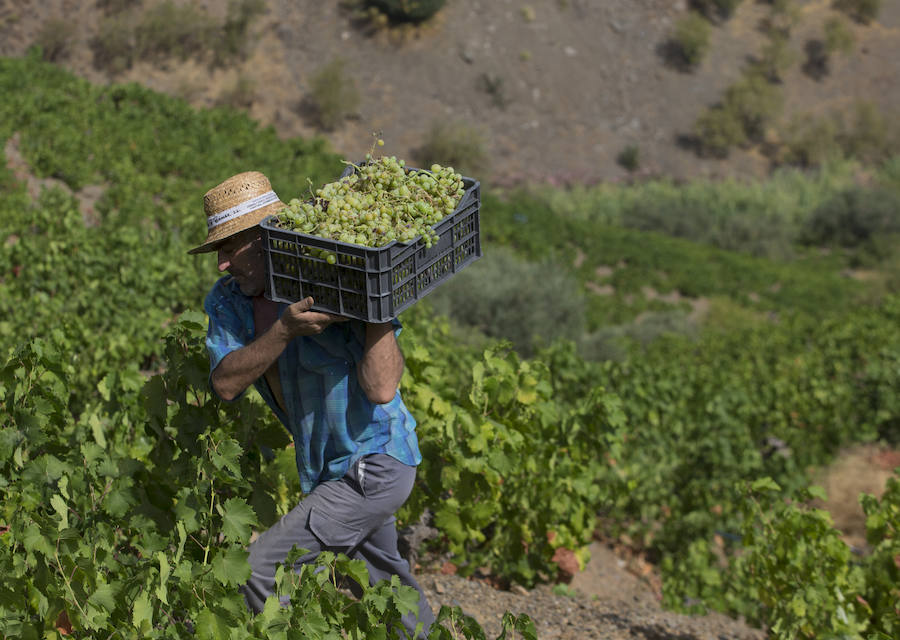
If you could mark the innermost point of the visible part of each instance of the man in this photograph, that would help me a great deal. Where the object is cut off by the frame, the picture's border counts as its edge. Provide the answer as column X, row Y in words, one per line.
column 331, row 381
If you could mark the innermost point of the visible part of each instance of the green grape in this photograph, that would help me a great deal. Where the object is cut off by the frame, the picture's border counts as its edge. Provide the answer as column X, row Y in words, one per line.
column 380, row 203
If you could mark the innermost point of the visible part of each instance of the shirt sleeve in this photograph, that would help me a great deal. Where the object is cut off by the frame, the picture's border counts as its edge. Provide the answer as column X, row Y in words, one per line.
column 225, row 332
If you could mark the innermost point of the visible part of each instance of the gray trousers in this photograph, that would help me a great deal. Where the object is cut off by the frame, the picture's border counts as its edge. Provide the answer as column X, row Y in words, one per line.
column 353, row 516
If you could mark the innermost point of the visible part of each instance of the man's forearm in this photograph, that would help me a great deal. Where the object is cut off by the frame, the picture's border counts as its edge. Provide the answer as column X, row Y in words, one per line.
column 240, row 368
column 380, row 369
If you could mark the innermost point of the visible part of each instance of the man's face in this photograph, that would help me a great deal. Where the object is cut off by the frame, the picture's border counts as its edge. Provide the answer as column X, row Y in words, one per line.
column 241, row 255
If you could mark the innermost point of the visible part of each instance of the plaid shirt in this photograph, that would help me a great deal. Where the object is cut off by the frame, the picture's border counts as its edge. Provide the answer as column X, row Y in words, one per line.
column 332, row 421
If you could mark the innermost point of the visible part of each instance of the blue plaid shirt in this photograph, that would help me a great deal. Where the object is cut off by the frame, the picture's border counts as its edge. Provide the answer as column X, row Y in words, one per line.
column 332, row 421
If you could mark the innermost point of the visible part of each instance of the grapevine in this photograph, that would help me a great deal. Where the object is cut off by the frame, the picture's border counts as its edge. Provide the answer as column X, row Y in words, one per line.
column 382, row 201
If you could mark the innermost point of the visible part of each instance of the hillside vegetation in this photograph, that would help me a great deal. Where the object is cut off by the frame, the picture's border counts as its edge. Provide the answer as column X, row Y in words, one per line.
column 129, row 492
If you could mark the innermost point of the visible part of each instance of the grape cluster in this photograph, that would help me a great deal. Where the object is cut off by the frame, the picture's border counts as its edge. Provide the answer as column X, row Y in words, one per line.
column 382, row 201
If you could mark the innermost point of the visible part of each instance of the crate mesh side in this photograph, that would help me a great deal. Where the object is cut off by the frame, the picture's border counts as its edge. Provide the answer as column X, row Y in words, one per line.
column 403, row 270
column 352, row 279
column 404, row 293
column 287, row 288
column 354, row 303
column 323, row 296
column 464, row 251
column 285, row 265
column 465, row 227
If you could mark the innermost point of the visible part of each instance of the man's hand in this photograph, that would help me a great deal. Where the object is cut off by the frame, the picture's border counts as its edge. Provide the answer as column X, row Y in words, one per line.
column 298, row 320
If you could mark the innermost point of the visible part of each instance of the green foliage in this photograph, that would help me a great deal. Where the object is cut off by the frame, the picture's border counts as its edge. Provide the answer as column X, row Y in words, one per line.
column 690, row 40
column 701, row 219
column 506, row 297
column 542, row 229
column 838, row 36
column 135, row 515
column 864, row 11
column 861, row 219
column 776, row 57
column 407, row 10
column 630, row 158
column 810, row 142
column 500, row 442
column 782, row 18
column 128, row 491
column 863, row 133
column 456, row 144
column 748, row 106
column 333, row 92
column 152, row 155
column 870, row 135
column 795, row 565
column 883, row 564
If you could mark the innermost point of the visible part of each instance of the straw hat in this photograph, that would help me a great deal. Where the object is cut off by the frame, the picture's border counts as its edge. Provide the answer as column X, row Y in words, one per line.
column 241, row 202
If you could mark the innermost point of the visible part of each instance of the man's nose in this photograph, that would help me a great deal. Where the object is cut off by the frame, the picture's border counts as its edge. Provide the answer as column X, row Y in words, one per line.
column 224, row 261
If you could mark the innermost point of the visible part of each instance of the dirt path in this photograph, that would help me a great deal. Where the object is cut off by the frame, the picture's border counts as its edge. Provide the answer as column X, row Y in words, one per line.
column 607, row 601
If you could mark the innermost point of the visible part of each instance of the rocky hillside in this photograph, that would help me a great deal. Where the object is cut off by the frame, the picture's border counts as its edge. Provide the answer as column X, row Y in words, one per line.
column 553, row 90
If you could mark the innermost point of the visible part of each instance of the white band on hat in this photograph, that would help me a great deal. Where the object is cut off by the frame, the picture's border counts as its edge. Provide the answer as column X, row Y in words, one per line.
column 240, row 209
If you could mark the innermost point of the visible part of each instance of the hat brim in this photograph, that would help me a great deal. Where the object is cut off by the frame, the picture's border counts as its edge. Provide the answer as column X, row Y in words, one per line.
column 218, row 235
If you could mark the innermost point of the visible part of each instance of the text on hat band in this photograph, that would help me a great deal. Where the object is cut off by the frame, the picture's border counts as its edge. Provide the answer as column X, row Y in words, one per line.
column 240, row 209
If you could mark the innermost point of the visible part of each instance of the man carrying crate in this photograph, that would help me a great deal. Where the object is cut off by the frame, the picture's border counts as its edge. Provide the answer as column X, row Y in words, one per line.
column 333, row 383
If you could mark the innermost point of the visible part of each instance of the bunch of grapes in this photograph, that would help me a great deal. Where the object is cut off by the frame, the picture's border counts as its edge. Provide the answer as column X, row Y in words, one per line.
column 382, row 201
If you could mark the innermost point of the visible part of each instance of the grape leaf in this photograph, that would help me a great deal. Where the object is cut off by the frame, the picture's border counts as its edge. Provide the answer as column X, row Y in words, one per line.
column 230, row 566
column 237, row 519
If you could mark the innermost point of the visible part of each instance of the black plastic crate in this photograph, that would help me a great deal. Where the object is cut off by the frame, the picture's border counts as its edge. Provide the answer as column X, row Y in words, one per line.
column 372, row 284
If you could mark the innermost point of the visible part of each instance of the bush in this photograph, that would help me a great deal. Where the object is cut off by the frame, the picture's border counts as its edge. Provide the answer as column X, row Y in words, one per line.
column 776, row 57
column 113, row 46
column 111, row 7
column 865, row 135
column 241, row 13
column 699, row 219
column 509, row 298
column 334, row 94
column 856, row 218
column 690, row 42
column 749, row 106
column 456, row 144
column 169, row 29
column 629, row 158
column 838, row 36
column 869, row 136
column 863, row 11
column 718, row 130
column 811, row 142
column 407, row 10
column 716, row 8
column 55, row 38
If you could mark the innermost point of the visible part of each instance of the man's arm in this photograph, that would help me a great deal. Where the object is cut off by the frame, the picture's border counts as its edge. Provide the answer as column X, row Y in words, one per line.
column 381, row 367
column 240, row 368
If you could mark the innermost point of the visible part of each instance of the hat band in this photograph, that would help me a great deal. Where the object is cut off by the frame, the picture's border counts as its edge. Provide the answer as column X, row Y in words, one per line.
column 240, row 209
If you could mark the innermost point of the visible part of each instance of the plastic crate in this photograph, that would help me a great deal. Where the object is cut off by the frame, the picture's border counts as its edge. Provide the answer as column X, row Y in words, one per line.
column 372, row 284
